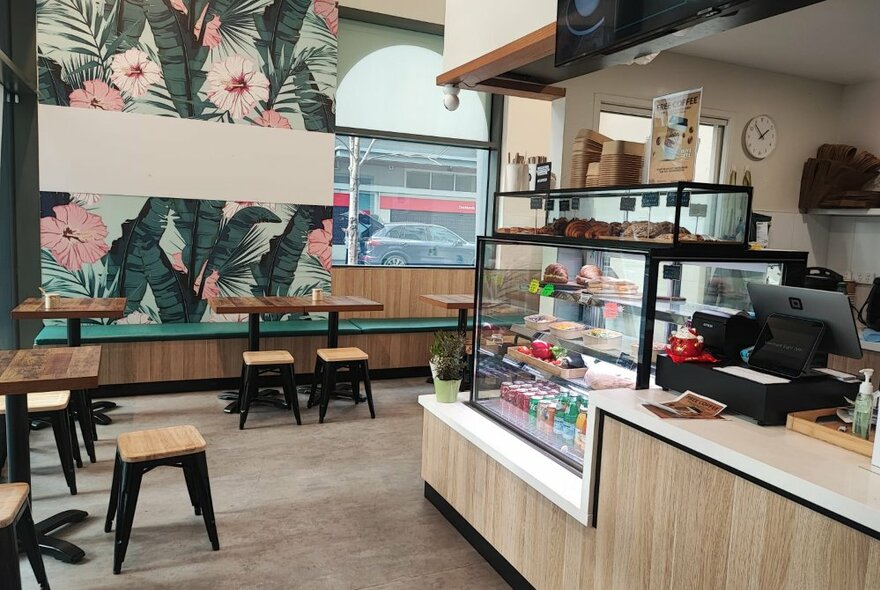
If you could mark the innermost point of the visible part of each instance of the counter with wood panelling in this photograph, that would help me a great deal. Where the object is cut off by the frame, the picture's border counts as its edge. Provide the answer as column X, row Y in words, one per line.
column 662, row 504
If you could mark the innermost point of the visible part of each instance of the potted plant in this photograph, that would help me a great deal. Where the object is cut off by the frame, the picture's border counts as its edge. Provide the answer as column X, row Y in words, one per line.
column 447, row 365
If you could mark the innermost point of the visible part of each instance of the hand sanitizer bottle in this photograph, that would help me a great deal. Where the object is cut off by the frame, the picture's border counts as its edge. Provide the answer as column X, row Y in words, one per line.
column 864, row 406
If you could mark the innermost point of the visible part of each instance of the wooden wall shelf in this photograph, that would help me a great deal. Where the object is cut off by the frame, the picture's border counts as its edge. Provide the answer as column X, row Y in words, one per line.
column 486, row 73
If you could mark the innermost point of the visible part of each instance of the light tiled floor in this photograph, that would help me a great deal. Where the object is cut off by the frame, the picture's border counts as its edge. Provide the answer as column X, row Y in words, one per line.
column 337, row 505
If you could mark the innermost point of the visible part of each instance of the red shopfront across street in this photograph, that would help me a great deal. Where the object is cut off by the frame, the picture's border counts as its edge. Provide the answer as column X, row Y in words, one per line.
column 457, row 215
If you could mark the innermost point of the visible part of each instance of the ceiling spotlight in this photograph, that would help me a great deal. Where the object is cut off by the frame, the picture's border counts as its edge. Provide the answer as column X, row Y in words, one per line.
column 450, row 97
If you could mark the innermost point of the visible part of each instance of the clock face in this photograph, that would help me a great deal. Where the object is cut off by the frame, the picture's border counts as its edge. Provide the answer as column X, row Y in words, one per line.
column 759, row 137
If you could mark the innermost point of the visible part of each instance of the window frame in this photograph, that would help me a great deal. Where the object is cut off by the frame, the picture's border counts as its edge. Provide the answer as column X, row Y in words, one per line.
column 720, row 120
column 492, row 172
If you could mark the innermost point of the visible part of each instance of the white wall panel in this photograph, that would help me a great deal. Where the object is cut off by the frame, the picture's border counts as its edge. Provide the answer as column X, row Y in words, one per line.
column 101, row 152
column 476, row 28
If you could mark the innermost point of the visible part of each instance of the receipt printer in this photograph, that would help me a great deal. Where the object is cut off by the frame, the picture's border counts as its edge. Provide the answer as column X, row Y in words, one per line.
column 725, row 335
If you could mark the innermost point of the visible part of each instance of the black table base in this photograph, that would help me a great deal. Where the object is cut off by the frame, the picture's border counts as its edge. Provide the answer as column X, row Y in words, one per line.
column 59, row 548
column 19, row 470
column 99, row 415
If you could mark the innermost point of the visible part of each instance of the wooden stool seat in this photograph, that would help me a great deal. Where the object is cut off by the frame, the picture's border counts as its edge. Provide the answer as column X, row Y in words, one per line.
column 267, row 357
column 17, row 532
column 50, row 401
column 53, row 407
column 12, row 498
column 327, row 362
column 138, row 453
column 342, row 355
column 161, row 443
column 255, row 362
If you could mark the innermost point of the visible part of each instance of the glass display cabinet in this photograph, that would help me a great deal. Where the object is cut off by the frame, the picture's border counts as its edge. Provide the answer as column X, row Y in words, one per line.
column 558, row 317
column 683, row 213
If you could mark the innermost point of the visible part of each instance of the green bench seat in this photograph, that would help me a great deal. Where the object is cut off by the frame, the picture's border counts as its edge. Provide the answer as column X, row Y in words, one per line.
column 100, row 334
column 407, row 325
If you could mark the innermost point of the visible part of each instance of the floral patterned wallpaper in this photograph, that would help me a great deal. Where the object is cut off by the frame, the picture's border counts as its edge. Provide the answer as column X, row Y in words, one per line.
column 167, row 256
column 270, row 63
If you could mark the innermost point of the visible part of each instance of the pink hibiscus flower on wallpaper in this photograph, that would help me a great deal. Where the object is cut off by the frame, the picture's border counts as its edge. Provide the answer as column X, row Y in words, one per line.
column 74, row 236
column 320, row 243
column 235, row 86
column 272, row 118
column 96, row 94
column 211, row 289
column 133, row 72
column 85, row 199
column 212, row 36
column 327, row 10
column 177, row 262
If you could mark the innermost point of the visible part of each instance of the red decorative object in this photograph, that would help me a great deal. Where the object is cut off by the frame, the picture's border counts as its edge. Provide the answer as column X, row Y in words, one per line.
column 685, row 343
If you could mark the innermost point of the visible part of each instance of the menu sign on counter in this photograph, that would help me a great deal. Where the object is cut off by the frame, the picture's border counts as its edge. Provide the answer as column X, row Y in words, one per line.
column 675, row 128
column 542, row 177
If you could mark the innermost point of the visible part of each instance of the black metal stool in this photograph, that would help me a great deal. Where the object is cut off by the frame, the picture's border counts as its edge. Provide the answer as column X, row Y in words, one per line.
column 256, row 361
column 328, row 361
column 143, row 451
column 52, row 407
column 16, row 523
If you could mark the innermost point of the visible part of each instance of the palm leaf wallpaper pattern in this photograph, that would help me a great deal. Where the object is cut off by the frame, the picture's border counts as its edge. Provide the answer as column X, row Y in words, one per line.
column 257, row 62
column 168, row 256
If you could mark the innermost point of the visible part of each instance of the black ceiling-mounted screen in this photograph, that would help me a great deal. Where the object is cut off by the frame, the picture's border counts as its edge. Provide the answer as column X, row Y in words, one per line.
column 588, row 27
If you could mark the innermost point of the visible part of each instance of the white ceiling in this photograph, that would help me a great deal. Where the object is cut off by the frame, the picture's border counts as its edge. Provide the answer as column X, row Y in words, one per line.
column 835, row 41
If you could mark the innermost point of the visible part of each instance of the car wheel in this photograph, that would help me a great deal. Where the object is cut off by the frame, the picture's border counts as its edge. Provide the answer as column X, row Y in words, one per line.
column 394, row 260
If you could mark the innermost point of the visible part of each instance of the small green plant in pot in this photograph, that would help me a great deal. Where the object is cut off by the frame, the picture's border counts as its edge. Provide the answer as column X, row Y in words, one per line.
column 447, row 365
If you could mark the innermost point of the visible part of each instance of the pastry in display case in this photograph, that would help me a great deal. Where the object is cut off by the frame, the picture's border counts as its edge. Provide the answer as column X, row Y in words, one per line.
column 590, row 316
column 671, row 214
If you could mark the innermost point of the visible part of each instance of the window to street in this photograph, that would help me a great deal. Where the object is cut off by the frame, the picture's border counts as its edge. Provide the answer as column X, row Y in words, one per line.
column 410, row 177
column 412, row 209
column 634, row 124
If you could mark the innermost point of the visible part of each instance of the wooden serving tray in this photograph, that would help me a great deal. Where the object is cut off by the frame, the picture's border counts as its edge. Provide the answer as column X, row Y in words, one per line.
column 807, row 422
column 545, row 366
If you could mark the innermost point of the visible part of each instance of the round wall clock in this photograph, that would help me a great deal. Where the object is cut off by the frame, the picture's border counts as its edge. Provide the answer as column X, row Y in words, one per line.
column 759, row 137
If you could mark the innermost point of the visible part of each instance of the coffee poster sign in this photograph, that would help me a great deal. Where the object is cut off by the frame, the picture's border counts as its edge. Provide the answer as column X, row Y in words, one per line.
column 675, row 128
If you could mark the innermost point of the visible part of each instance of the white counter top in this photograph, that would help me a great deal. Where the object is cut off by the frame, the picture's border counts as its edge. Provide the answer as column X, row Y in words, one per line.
column 827, row 476
column 871, row 346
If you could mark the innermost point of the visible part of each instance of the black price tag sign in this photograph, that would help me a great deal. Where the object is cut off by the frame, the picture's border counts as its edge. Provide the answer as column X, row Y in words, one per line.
column 685, row 199
column 698, row 210
column 672, row 271
column 627, row 203
column 564, row 205
column 549, row 204
column 536, row 203
column 575, row 204
column 651, row 200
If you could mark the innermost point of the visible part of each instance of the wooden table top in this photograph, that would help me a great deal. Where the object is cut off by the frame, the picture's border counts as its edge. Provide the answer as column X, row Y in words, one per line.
column 250, row 305
column 341, row 303
column 32, row 308
column 458, row 301
column 48, row 369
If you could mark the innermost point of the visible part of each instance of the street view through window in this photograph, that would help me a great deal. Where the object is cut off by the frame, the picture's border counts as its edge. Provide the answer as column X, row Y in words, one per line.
column 413, row 204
